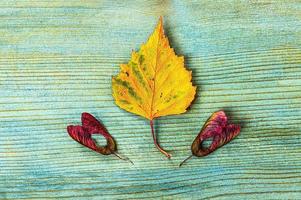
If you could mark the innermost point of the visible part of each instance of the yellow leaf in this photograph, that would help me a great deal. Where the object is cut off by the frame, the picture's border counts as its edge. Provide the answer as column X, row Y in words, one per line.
column 154, row 82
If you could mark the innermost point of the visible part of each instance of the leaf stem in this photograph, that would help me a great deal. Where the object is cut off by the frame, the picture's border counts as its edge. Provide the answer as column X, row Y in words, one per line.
column 156, row 143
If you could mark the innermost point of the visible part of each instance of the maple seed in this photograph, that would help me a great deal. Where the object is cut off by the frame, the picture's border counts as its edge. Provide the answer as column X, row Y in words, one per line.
column 217, row 128
column 83, row 135
column 156, row 82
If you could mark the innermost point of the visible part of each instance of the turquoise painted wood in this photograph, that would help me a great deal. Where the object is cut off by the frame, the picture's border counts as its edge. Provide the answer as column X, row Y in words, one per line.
column 56, row 61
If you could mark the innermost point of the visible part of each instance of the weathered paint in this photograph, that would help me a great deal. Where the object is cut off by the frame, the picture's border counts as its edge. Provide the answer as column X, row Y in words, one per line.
column 57, row 59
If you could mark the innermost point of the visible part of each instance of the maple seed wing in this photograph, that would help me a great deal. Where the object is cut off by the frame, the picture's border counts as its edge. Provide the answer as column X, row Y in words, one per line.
column 154, row 82
column 93, row 126
column 214, row 124
column 77, row 133
column 218, row 118
column 74, row 131
column 89, row 120
column 231, row 132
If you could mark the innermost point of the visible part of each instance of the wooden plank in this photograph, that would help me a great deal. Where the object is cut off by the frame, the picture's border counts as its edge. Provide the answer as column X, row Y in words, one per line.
column 57, row 59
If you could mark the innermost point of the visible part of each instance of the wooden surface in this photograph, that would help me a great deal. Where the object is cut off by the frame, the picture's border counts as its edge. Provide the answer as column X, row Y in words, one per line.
column 56, row 61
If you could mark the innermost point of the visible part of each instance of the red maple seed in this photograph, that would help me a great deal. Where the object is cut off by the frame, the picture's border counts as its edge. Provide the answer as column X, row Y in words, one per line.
column 83, row 135
column 217, row 128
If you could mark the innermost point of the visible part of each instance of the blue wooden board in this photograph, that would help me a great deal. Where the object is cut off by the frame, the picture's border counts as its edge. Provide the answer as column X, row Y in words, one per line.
column 56, row 61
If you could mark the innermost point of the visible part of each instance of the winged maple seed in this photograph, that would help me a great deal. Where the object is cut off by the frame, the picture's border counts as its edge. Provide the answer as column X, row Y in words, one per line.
column 217, row 128
column 154, row 82
column 83, row 135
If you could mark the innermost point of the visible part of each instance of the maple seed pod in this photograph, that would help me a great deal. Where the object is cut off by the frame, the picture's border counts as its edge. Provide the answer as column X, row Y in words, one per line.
column 217, row 128
column 83, row 135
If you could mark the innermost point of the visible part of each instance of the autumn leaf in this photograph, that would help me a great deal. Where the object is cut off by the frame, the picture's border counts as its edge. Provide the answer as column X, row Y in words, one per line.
column 154, row 82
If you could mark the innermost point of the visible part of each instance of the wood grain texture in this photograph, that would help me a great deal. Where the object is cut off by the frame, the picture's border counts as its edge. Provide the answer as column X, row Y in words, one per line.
column 56, row 61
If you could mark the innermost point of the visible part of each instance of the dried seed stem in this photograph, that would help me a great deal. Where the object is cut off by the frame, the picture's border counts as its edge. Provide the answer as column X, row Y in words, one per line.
column 185, row 160
column 156, row 143
column 122, row 158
